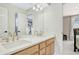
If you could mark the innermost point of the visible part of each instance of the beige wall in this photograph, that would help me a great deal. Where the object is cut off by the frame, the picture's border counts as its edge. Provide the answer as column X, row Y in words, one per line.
column 67, row 26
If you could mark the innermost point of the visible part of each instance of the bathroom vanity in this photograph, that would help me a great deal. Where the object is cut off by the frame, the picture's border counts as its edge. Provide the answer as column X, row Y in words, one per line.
column 29, row 45
column 43, row 48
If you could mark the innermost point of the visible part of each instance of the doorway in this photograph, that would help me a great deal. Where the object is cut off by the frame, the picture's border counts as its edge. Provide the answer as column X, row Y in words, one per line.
column 66, row 27
column 69, row 23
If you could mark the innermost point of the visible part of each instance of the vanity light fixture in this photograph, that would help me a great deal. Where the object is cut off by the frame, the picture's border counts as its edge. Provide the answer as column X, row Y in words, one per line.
column 41, row 8
column 38, row 7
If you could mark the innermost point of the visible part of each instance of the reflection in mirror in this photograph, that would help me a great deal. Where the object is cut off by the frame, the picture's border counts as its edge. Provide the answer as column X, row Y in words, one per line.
column 20, row 24
column 38, row 22
column 16, row 28
column 3, row 22
column 35, row 21
column 30, row 23
column 76, row 22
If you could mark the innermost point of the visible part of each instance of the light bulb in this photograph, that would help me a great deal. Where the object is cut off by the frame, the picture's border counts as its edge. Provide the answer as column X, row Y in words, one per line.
column 34, row 8
column 41, row 8
column 38, row 6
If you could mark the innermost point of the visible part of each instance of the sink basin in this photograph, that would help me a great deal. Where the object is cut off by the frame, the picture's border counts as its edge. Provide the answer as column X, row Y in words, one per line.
column 15, row 44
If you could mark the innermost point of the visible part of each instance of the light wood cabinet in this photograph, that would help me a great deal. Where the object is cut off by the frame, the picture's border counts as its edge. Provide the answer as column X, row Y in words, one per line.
column 42, row 45
column 50, row 41
column 48, row 50
column 43, row 51
column 43, row 48
column 28, row 51
column 36, row 53
column 50, row 46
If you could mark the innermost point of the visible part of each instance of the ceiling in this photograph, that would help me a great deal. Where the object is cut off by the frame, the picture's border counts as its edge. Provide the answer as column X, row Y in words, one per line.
column 24, row 6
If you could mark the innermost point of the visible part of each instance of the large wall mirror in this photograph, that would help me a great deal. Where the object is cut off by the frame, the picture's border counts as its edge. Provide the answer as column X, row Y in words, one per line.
column 23, row 24
column 35, row 22
column 31, row 23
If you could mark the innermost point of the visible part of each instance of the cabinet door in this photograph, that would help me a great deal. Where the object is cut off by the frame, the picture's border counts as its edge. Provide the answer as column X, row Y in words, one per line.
column 42, row 45
column 50, row 41
column 42, row 52
column 48, row 50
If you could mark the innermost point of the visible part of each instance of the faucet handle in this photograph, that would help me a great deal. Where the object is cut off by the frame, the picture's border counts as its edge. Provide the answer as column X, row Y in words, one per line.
column 5, row 31
column 19, row 31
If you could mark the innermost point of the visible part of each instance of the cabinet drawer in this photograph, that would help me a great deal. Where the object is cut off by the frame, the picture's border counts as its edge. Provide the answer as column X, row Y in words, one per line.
column 49, row 41
column 42, row 52
column 48, row 50
column 42, row 45
column 28, row 51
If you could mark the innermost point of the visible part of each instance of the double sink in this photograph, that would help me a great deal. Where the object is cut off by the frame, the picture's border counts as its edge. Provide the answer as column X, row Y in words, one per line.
column 22, row 43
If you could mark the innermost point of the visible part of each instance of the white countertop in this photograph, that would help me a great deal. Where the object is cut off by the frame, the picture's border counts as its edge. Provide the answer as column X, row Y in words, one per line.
column 31, row 40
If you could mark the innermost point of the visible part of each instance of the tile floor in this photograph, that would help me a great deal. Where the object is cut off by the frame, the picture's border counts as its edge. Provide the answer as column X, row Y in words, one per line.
column 68, row 48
